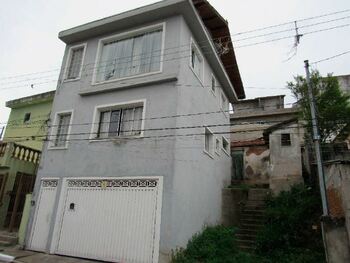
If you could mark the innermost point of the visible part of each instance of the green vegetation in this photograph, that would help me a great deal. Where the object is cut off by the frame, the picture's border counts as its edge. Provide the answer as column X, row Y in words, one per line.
column 291, row 235
column 333, row 108
column 216, row 244
column 292, row 232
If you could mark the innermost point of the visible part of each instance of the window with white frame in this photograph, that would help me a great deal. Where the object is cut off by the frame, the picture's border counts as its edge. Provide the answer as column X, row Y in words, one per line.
column 75, row 62
column 120, row 121
column 63, row 124
column 225, row 145
column 213, row 84
column 196, row 61
column 224, row 102
column 130, row 56
column 208, row 141
column 217, row 145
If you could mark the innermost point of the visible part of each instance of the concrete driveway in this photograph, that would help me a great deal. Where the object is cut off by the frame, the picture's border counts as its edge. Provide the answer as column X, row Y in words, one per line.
column 25, row 256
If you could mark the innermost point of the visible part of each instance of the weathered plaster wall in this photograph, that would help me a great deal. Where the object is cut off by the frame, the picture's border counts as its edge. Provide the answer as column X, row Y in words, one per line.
column 285, row 161
column 344, row 82
column 253, row 127
column 337, row 243
column 337, row 177
column 260, row 104
column 256, row 162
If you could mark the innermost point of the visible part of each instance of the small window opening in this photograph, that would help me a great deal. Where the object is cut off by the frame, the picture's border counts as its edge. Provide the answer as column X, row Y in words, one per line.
column 285, row 139
column 26, row 117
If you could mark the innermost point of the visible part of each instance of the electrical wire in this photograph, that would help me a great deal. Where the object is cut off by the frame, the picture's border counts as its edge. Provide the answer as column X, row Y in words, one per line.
column 234, row 40
column 291, row 22
column 178, row 115
column 329, row 58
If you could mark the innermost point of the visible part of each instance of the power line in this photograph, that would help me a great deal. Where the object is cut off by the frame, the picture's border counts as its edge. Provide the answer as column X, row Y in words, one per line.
column 183, row 115
column 332, row 57
column 15, row 76
column 256, row 43
column 291, row 29
column 232, row 126
column 291, row 22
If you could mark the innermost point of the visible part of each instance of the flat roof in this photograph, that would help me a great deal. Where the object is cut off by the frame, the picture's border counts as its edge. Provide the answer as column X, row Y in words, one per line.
column 30, row 100
column 261, row 98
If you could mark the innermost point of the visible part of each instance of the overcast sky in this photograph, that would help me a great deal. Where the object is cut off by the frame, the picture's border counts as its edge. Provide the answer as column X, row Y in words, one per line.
column 29, row 40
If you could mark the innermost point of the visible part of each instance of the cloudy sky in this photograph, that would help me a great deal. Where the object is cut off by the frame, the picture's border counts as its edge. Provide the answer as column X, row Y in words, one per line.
column 29, row 42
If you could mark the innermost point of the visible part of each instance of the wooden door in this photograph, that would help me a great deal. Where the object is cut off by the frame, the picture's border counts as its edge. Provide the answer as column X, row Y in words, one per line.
column 23, row 185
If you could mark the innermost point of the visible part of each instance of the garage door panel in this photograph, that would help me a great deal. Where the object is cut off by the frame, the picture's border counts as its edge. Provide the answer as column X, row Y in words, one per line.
column 43, row 214
column 110, row 223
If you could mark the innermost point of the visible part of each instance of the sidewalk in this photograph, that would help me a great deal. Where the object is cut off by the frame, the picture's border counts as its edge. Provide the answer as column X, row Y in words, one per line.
column 25, row 256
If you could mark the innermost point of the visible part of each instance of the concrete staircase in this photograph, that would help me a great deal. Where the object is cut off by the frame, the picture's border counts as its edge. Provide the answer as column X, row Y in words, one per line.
column 7, row 239
column 252, row 218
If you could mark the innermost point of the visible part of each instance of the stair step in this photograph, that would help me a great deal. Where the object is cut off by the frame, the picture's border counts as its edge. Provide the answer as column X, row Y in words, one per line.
column 5, row 243
column 246, row 237
column 9, row 238
column 251, row 212
column 246, row 248
column 249, row 216
column 259, row 203
column 254, row 207
column 252, row 221
column 247, row 231
column 258, row 194
column 251, row 226
column 245, row 242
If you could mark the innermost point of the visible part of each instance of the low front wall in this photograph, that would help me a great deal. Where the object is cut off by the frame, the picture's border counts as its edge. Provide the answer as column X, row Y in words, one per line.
column 337, row 177
column 233, row 200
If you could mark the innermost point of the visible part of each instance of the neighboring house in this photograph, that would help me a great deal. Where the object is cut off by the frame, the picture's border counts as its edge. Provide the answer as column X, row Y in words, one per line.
column 121, row 177
column 344, row 83
column 265, row 143
column 344, row 136
column 20, row 154
column 28, row 119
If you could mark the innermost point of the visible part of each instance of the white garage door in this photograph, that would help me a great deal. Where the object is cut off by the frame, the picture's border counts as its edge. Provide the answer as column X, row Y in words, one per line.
column 114, row 219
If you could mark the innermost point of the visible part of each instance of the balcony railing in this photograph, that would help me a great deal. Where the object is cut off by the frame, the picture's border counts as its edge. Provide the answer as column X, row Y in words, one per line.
column 19, row 152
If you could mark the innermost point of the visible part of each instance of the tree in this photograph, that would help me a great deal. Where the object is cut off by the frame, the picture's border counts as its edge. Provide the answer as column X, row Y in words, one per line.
column 333, row 108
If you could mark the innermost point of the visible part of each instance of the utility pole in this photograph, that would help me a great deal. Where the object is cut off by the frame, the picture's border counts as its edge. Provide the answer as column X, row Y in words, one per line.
column 316, row 139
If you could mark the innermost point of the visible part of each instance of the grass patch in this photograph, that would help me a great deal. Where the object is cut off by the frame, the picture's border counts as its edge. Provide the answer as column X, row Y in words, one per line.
column 215, row 244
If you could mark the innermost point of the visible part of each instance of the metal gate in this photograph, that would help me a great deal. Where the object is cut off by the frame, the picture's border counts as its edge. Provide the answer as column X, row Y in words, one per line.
column 111, row 219
column 43, row 214
column 23, row 185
